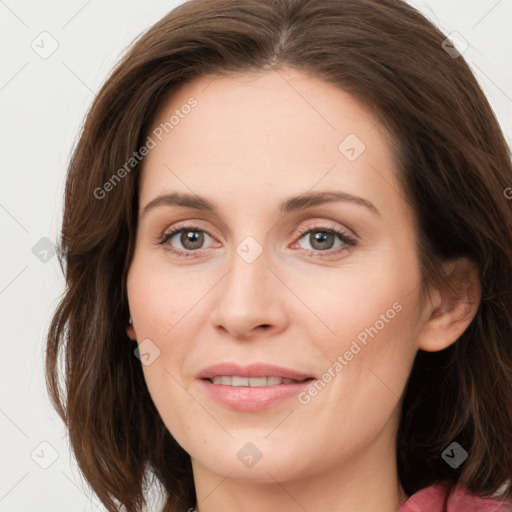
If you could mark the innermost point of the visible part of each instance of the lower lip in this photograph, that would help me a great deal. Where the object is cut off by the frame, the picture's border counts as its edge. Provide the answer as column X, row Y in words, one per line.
column 246, row 398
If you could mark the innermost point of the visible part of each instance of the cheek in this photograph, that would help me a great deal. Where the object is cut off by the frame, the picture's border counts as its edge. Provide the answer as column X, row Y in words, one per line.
column 162, row 309
column 363, row 301
column 176, row 406
column 158, row 298
column 369, row 316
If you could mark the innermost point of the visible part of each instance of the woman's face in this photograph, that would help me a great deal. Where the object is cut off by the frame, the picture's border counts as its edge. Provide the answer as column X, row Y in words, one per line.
column 263, row 279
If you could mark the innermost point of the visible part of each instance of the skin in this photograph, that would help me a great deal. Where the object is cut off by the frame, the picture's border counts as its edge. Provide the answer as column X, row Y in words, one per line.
column 252, row 141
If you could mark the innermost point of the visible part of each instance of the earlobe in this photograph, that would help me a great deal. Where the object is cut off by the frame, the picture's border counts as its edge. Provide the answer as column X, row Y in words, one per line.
column 454, row 308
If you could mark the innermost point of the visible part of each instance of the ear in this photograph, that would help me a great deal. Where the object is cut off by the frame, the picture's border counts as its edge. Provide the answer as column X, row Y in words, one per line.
column 451, row 309
column 130, row 331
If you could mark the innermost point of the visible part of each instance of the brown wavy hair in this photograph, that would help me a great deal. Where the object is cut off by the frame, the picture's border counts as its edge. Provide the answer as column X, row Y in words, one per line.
column 452, row 162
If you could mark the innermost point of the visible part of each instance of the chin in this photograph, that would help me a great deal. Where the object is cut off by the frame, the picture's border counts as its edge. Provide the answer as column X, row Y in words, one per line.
column 252, row 462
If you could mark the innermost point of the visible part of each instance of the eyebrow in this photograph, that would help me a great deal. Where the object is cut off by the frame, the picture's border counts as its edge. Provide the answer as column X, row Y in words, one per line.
column 291, row 204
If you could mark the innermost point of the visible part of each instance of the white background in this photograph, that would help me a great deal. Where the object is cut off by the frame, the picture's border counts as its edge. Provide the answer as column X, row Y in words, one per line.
column 43, row 103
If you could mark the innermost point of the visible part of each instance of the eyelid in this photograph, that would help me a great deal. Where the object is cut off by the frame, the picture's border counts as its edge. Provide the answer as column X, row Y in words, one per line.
column 185, row 224
column 349, row 241
column 324, row 225
column 191, row 224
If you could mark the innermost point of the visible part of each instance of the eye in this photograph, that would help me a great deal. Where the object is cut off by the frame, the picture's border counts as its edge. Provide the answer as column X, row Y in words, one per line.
column 191, row 238
column 323, row 240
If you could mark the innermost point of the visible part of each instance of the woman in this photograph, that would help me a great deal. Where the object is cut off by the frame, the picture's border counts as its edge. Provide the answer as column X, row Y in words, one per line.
column 288, row 259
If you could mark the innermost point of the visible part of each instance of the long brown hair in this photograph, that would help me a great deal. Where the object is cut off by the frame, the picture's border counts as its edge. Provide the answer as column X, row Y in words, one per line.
column 453, row 164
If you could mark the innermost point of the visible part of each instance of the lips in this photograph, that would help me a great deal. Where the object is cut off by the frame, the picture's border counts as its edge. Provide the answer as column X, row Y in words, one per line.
column 250, row 394
column 261, row 370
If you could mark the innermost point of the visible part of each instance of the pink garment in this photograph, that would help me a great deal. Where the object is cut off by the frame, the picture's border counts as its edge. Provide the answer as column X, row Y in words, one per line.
column 436, row 498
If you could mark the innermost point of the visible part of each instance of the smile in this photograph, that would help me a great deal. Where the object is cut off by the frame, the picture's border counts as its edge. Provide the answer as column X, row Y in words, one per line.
column 253, row 382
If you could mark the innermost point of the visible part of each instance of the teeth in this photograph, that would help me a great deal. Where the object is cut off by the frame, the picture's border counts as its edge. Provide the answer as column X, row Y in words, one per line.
column 253, row 382
column 239, row 381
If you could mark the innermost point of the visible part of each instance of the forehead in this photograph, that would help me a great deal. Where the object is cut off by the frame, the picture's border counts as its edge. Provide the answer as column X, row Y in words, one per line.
column 253, row 131
column 272, row 101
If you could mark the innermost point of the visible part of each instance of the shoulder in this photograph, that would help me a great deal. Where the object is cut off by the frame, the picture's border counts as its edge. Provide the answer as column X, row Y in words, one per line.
column 443, row 497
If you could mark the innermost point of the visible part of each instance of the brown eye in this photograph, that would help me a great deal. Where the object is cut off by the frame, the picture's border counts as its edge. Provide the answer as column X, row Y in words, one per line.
column 191, row 239
column 324, row 242
column 321, row 240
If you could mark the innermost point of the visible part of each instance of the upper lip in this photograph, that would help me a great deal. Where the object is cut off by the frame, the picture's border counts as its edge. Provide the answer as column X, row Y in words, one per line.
column 252, row 370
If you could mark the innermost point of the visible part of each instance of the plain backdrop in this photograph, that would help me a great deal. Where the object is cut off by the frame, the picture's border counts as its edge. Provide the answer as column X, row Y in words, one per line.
column 43, row 100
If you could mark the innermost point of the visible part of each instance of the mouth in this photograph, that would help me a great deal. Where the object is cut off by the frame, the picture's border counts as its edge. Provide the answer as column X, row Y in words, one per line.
column 234, row 374
column 254, row 382
column 252, row 394
column 252, row 387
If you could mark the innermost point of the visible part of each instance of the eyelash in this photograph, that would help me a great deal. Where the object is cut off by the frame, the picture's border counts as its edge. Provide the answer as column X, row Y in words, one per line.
column 348, row 241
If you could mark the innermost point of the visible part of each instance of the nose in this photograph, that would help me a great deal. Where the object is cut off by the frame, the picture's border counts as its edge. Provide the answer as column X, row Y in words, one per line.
column 250, row 299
